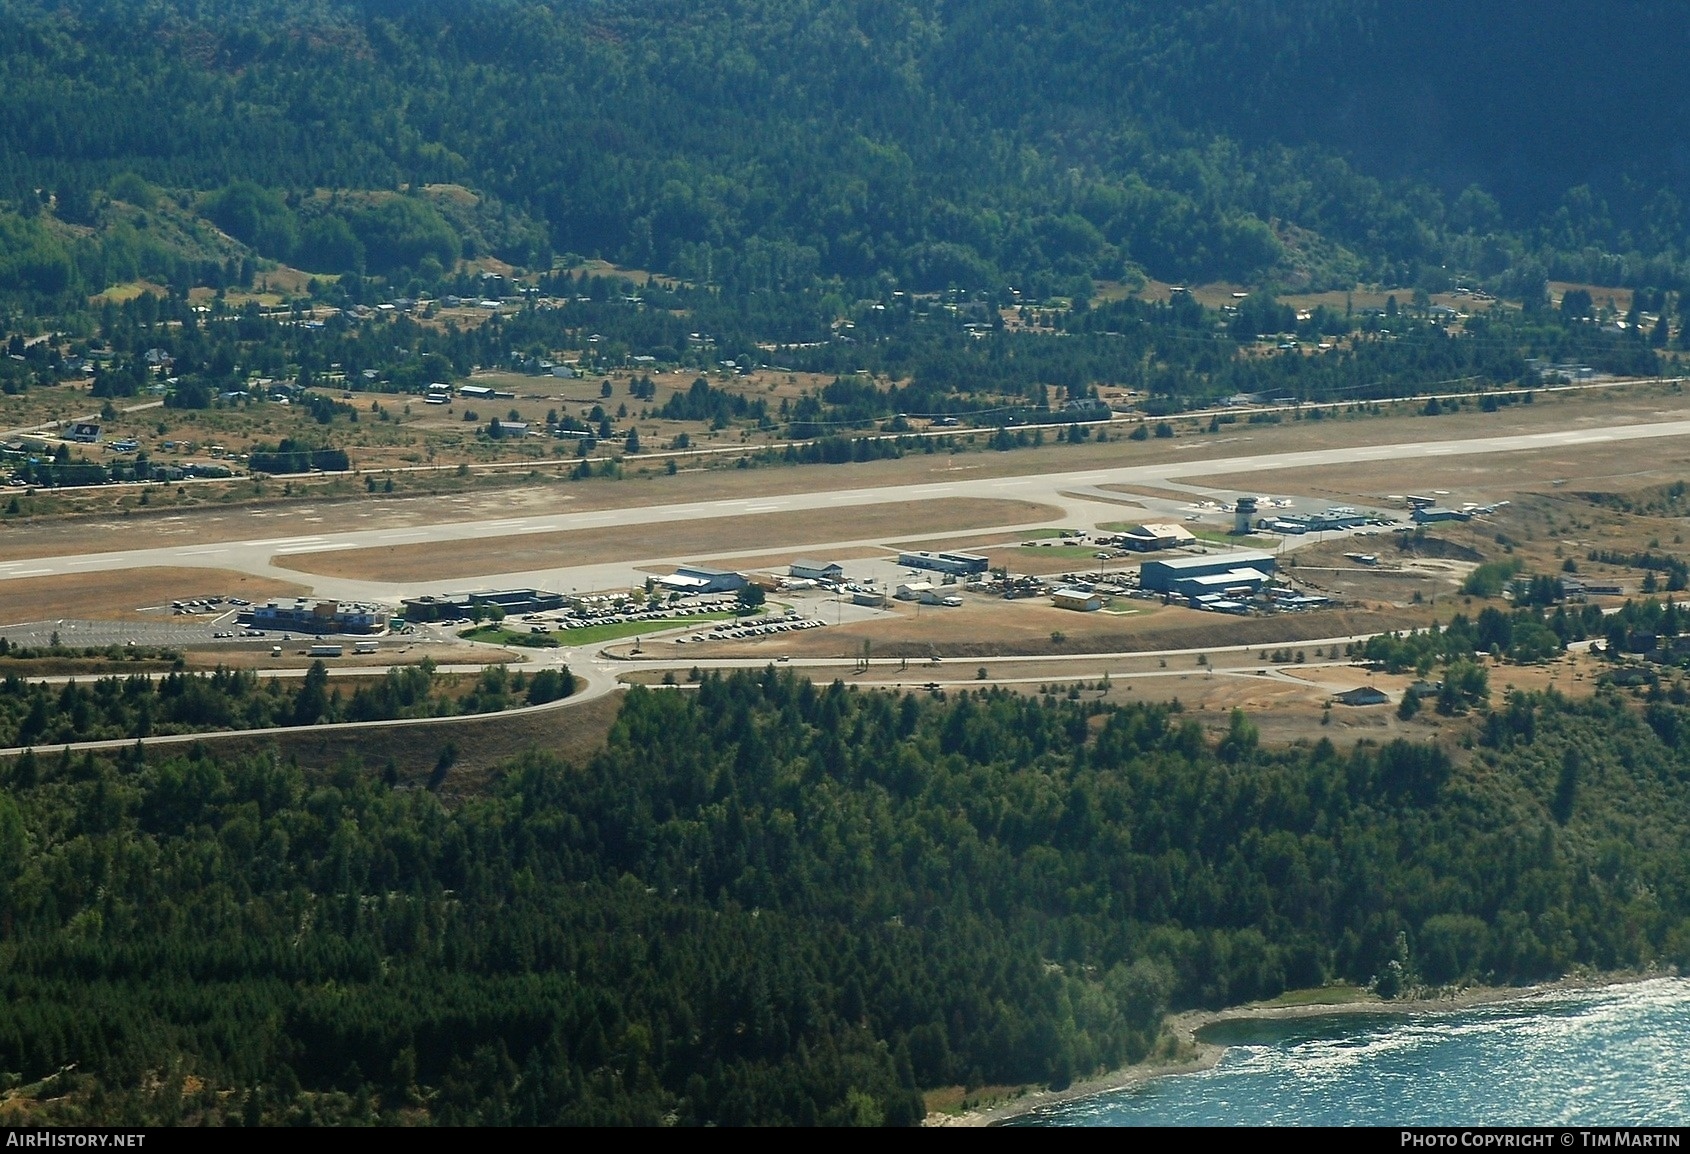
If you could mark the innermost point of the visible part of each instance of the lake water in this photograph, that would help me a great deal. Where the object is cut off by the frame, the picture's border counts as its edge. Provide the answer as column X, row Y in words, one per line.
column 1615, row 1056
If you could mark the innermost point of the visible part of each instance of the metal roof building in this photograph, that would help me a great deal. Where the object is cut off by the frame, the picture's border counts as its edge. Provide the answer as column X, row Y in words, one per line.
column 1159, row 576
column 816, row 570
column 1081, row 600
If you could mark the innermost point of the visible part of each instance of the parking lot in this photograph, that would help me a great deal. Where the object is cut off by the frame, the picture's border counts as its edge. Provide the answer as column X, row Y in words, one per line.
column 82, row 634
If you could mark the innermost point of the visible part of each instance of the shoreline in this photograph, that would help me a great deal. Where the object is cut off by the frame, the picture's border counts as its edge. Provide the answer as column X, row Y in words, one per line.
column 1200, row 1055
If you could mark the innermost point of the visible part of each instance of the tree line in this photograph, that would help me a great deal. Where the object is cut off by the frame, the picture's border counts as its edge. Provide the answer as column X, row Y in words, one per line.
column 139, row 705
column 770, row 901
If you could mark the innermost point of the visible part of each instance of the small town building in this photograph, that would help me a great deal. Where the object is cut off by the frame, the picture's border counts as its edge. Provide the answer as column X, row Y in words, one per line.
column 700, row 579
column 1081, row 600
column 808, row 570
column 1149, row 538
column 1431, row 514
column 956, row 564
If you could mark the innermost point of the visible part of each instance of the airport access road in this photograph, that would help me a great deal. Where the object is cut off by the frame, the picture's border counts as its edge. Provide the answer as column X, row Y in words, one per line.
column 596, row 675
column 1066, row 491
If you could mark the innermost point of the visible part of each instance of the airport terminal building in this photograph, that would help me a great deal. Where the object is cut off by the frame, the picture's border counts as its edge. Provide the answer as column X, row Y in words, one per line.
column 451, row 606
column 302, row 615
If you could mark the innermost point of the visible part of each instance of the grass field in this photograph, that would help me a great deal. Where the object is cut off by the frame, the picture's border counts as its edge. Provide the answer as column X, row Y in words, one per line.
column 116, row 595
column 1321, row 996
column 499, row 635
column 591, row 634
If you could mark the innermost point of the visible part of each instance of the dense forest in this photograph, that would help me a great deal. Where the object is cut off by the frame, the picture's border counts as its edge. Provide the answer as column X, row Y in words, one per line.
column 773, row 901
column 772, row 146
column 839, row 187
column 770, row 901
column 141, row 706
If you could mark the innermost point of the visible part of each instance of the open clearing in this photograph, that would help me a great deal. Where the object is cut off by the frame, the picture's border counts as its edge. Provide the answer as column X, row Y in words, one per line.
column 983, row 627
column 1482, row 479
column 480, row 744
column 115, row 596
column 238, row 510
column 447, row 560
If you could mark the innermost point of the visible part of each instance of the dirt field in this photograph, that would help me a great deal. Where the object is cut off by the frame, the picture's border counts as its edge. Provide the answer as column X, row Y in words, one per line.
column 1615, row 467
column 1399, row 580
column 1287, row 702
column 115, row 596
column 983, row 628
column 444, row 560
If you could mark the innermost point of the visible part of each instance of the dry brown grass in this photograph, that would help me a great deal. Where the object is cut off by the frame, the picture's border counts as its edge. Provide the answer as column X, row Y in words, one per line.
column 1288, row 702
column 720, row 480
column 1395, row 581
column 445, row 560
column 1482, row 478
column 572, row 733
column 983, row 628
column 1600, row 295
column 116, row 595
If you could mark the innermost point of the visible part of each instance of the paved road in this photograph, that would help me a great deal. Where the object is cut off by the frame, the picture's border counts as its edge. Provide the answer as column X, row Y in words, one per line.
column 596, row 676
column 1075, row 493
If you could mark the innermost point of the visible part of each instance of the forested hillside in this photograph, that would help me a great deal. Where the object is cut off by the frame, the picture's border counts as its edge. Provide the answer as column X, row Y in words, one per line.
column 775, row 145
column 770, row 901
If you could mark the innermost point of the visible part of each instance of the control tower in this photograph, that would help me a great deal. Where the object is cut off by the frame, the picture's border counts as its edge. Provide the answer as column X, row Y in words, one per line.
column 1242, row 514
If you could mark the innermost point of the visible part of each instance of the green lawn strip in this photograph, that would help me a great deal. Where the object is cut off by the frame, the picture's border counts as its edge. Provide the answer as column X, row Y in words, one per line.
column 1320, row 996
column 592, row 634
column 499, row 635
column 587, row 635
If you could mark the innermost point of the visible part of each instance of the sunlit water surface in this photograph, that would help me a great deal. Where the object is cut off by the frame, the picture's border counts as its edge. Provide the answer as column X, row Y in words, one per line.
column 1615, row 1056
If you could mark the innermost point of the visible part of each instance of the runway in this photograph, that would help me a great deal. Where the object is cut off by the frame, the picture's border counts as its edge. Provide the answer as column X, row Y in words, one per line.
column 1076, row 493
